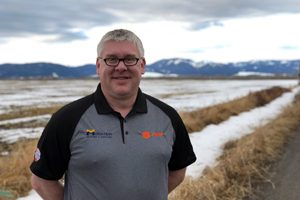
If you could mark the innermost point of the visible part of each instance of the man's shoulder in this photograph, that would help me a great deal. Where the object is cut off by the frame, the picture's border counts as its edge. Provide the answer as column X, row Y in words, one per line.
column 162, row 105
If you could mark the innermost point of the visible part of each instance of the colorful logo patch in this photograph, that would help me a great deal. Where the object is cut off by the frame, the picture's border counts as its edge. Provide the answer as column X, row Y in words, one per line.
column 92, row 133
column 37, row 155
column 148, row 134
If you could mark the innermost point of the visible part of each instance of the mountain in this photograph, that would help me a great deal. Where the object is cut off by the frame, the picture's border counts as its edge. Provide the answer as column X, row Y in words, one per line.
column 44, row 70
column 189, row 68
column 167, row 67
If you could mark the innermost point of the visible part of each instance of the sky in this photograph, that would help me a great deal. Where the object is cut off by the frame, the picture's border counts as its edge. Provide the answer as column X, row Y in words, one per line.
column 67, row 32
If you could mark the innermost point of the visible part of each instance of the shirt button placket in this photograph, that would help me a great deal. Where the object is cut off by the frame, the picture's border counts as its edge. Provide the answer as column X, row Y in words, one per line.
column 125, row 130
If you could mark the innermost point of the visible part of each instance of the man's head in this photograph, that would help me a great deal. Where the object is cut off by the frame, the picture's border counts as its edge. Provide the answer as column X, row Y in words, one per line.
column 120, row 64
column 121, row 35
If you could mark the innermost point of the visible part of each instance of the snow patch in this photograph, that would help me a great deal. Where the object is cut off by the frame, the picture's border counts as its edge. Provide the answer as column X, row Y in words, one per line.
column 243, row 73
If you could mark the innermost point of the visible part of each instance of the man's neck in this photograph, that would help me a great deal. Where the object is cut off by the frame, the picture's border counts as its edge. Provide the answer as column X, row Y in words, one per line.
column 122, row 104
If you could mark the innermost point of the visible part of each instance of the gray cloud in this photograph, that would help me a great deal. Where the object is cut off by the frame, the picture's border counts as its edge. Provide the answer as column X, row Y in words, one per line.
column 51, row 18
column 68, row 19
column 205, row 24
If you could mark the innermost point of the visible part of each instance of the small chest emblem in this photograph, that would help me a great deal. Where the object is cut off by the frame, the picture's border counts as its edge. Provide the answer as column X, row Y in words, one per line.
column 148, row 134
column 92, row 133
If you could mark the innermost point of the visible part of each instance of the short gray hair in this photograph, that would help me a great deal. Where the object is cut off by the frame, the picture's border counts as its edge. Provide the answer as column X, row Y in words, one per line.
column 121, row 35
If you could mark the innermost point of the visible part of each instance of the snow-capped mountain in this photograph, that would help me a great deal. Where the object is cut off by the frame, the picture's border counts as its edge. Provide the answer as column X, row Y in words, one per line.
column 173, row 67
column 190, row 68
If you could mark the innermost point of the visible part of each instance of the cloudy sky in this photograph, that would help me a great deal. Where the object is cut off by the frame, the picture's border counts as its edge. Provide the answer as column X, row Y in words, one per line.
column 67, row 32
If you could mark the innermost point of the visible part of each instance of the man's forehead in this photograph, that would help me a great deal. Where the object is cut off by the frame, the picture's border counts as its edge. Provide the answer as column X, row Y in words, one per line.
column 112, row 47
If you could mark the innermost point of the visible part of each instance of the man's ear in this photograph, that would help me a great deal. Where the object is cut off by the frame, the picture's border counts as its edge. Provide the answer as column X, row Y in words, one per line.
column 98, row 66
column 143, row 65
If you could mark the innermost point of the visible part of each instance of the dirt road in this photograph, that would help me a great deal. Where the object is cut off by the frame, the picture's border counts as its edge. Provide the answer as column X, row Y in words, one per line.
column 286, row 177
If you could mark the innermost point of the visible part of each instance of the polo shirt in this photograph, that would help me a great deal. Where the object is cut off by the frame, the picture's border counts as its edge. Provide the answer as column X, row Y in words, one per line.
column 105, row 156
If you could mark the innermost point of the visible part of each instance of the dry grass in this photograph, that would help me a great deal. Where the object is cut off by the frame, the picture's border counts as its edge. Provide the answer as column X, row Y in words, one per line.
column 29, row 112
column 245, row 163
column 198, row 119
column 29, row 124
column 233, row 178
column 14, row 171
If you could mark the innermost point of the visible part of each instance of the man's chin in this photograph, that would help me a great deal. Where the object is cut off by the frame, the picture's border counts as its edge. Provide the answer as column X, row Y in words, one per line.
column 122, row 92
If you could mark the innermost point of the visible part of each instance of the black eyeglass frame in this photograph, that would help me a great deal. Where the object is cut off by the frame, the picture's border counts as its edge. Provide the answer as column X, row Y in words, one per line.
column 119, row 60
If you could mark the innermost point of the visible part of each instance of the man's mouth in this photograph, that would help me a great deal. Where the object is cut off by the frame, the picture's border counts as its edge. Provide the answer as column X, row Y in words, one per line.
column 121, row 78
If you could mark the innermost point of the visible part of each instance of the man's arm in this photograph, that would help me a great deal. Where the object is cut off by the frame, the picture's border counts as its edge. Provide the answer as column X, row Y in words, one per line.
column 175, row 178
column 48, row 190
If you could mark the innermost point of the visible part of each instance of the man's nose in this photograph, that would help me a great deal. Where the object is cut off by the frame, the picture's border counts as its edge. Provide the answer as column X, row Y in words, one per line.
column 121, row 66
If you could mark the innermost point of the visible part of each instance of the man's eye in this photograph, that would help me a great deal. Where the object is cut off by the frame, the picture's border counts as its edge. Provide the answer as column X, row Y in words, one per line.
column 130, row 59
column 112, row 59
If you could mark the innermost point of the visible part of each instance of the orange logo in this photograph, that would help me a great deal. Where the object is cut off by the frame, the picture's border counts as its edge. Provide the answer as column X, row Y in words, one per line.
column 148, row 134
column 158, row 134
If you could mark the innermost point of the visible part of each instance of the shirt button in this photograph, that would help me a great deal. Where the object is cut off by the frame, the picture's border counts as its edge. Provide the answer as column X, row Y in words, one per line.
column 126, row 132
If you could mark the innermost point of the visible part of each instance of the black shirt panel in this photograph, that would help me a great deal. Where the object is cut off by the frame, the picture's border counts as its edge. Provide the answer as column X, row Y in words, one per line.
column 53, row 145
column 182, row 154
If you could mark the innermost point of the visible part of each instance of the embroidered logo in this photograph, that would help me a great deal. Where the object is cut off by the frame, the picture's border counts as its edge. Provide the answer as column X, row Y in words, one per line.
column 92, row 133
column 37, row 155
column 148, row 134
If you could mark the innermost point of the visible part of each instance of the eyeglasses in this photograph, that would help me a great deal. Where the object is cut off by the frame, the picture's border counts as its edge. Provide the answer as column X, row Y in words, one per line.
column 114, row 61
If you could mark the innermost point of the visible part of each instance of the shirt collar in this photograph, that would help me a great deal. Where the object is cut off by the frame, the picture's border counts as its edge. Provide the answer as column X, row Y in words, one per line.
column 102, row 106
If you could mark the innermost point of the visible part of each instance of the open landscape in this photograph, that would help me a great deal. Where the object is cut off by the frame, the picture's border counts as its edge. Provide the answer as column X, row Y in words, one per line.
column 228, row 121
column 230, row 68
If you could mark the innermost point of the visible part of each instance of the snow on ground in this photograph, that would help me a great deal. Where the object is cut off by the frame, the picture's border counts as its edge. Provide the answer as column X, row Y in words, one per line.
column 183, row 95
column 38, row 93
column 208, row 143
column 246, row 73
column 13, row 135
column 24, row 119
column 186, row 95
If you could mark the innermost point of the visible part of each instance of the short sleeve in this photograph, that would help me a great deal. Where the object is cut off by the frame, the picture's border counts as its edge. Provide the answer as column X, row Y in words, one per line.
column 52, row 153
column 182, row 154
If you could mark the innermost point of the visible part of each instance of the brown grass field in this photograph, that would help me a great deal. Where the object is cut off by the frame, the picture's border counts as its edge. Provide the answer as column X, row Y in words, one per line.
column 29, row 112
column 14, row 171
column 198, row 119
column 244, row 164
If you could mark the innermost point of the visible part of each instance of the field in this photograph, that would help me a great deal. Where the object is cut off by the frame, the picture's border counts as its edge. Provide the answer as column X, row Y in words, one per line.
column 26, row 106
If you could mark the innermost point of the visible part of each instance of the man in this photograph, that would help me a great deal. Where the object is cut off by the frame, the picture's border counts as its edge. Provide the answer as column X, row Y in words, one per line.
column 117, row 143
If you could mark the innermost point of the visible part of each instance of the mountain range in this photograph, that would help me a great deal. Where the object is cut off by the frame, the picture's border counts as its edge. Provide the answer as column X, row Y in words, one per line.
column 164, row 67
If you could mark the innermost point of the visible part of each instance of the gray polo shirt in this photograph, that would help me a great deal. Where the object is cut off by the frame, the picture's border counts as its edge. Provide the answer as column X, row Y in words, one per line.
column 105, row 156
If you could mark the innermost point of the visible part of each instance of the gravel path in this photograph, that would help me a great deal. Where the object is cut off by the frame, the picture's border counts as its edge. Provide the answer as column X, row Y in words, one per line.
column 286, row 177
